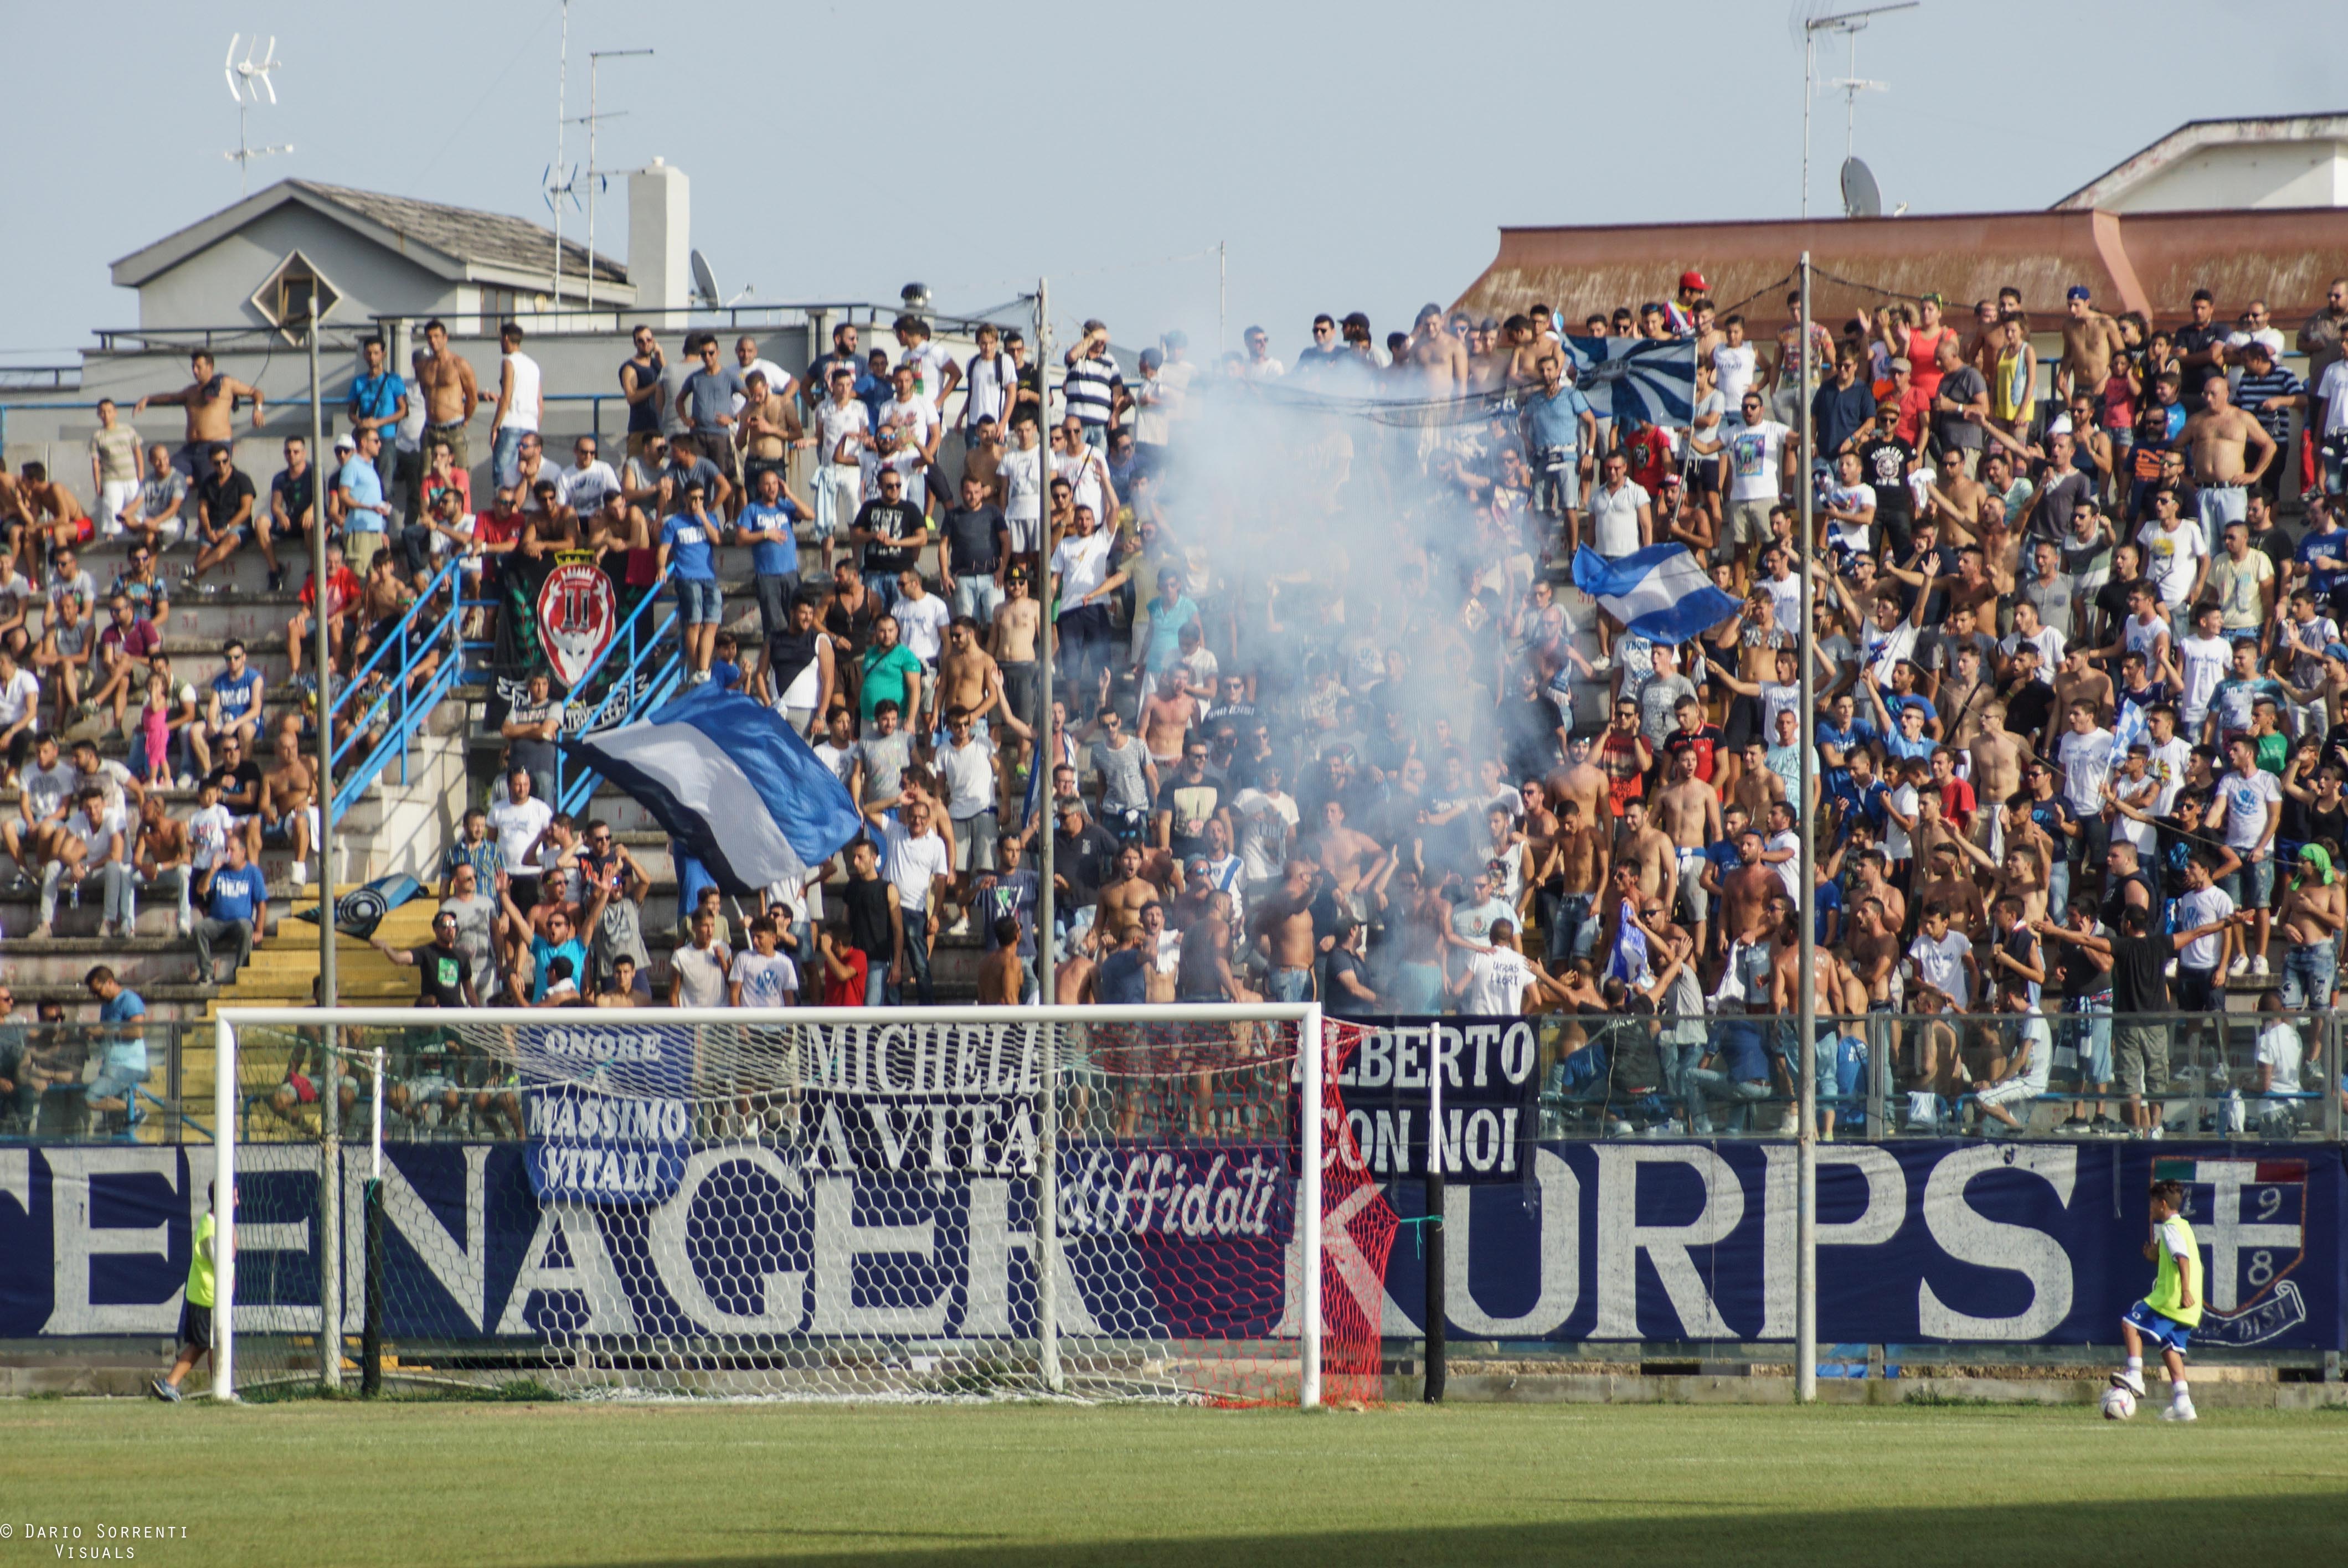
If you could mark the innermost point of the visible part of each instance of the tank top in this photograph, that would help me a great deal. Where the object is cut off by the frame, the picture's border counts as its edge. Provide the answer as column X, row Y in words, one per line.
column 868, row 919
column 645, row 416
column 2168, row 1284
column 522, row 413
column 1924, row 359
column 2012, row 394
column 2117, row 900
column 2119, row 403
column 791, row 658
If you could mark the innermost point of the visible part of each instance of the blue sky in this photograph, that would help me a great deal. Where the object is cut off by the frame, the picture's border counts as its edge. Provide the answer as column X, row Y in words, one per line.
column 1353, row 158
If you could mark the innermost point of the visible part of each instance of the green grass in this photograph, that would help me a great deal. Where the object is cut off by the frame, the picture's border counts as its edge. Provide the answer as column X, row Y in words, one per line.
column 407, row 1483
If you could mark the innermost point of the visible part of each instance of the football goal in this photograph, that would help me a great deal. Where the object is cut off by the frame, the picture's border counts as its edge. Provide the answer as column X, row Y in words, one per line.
column 1146, row 1203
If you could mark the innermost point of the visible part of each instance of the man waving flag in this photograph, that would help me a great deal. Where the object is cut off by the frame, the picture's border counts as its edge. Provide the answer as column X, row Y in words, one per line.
column 732, row 783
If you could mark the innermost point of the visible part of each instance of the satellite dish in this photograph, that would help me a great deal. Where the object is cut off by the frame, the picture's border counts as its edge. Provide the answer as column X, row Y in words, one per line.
column 705, row 282
column 1861, row 198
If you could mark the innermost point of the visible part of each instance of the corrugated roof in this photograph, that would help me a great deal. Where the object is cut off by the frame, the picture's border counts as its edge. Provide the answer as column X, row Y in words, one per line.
column 496, row 239
column 2147, row 262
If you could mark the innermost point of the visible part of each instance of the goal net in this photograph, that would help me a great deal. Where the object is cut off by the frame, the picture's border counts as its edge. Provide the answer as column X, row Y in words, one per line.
column 1095, row 1203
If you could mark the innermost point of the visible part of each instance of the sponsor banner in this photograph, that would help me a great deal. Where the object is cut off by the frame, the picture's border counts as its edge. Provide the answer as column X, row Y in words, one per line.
column 1646, row 1240
column 1489, row 1070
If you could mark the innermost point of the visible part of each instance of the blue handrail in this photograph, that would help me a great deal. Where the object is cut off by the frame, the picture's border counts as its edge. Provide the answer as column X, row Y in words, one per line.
column 417, row 704
column 420, row 704
column 571, row 793
column 398, row 638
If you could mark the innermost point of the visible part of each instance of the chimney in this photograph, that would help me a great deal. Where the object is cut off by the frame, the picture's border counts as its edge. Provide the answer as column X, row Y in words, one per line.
column 660, row 234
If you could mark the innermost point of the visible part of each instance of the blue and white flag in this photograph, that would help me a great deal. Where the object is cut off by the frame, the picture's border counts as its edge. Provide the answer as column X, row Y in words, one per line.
column 732, row 783
column 1660, row 592
column 1655, row 380
column 1628, row 961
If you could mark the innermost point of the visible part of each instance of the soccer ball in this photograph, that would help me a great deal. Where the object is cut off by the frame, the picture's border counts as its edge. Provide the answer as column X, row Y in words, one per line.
column 2118, row 1404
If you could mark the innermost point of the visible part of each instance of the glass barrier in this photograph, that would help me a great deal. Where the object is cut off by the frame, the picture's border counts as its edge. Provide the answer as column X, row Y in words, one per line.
column 2250, row 1076
column 2254, row 1076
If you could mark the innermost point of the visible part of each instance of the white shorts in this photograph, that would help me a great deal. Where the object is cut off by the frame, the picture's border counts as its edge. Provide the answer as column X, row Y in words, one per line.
column 838, row 492
column 115, row 497
column 2012, row 1091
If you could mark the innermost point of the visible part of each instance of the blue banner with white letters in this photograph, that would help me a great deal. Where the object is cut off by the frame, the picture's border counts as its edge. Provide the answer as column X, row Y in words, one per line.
column 1639, row 1239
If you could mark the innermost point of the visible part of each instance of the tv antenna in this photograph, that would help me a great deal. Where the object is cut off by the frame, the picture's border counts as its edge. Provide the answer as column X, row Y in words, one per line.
column 595, row 178
column 248, row 79
column 1806, row 22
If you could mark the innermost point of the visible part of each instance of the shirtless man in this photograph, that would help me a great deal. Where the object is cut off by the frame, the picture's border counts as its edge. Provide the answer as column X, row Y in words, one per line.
column 1948, row 890
column 1000, row 977
column 1166, row 716
column 968, row 678
column 1688, row 812
column 1012, row 643
column 1283, row 935
column 2216, row 437
column 2075, row 681
column 1440, row 357
column 451, row 395
column 1746, row 892
column 285, row 795
column 1123, row 896
column 1874, row 949
column 2090, row 338
column 1647, row 851
column 1575, row 870
column 50, row 511
column 2314, row 907
column 1347, row 854
column 1581, row 783
column 209, row 399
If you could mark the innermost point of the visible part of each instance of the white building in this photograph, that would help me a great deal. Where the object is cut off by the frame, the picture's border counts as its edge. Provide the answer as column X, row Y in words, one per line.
column 2207, row 165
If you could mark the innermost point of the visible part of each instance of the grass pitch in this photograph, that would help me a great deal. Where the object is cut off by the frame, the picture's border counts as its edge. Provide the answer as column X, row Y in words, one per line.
column 326, row 1484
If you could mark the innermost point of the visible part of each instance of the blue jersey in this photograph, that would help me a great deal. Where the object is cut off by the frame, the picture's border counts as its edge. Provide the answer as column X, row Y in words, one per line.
column 237, row 892
column 770, row 557
column 693, row 554
column 1556, row 421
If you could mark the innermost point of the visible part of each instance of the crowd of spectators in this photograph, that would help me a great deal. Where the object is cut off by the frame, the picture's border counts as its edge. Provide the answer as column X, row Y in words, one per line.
column 2078, row 677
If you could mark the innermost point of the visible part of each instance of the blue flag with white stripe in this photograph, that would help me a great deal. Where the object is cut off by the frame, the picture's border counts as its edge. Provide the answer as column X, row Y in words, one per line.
column 732, row 783
column 1661, row 592
column 1652, row 379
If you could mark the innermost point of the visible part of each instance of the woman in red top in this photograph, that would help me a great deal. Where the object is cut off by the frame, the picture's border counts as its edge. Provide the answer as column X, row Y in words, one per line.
column 1923, row 346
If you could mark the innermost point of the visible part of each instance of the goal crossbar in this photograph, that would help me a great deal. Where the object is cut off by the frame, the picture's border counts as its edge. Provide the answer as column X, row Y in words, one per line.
column 1311, row 1083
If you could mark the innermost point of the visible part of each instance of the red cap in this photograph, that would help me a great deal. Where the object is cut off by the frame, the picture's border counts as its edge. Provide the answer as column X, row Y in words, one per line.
column 1692, row 278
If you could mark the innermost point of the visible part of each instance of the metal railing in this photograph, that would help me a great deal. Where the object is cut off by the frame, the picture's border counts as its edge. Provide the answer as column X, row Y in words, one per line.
column 400, row 706
column 1901, row 1075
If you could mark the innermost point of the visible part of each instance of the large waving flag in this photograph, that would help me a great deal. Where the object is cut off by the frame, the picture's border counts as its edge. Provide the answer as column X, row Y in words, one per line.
column 1660, row 592
column 732, row 783
column 1650, row 378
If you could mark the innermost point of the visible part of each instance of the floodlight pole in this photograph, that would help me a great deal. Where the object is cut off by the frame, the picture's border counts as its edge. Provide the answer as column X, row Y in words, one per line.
column 330, row 1097
column 561, row 84
column 1805, row 1223
column 1047, row 1134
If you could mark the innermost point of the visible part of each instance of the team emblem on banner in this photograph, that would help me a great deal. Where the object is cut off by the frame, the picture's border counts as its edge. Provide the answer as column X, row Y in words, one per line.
column 2251, row 1216
column 577, row 615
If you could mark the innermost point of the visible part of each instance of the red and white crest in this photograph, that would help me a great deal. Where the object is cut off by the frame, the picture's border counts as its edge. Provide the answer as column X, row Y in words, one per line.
column 577, row 615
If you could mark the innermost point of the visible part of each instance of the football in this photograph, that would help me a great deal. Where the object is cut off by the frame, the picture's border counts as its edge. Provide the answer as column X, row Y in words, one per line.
column 2118, row 1404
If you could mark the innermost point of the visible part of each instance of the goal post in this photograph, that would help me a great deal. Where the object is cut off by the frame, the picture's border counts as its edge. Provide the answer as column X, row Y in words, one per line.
column 1157, row 1202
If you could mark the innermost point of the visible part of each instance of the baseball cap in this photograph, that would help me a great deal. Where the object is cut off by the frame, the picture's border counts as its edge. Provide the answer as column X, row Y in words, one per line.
column 1901, row 364
column 345, row 443
column 2078, row 291
column 1692, row 278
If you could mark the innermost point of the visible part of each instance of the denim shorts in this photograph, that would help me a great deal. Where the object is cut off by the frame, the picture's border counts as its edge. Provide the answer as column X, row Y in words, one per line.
column 700, row 603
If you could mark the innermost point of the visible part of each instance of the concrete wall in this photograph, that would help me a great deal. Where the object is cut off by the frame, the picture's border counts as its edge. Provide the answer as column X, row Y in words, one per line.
column 213, row 287
column 2246, row 174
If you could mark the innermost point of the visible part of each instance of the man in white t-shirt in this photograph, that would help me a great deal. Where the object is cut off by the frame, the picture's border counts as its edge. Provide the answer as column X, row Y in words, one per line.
column 2175, row 555
column 1944, row 959
column 1761, row 458
column 1622, row 516
column 843, row 432
column 762, row 976
column 2084, row 753
column 698, row 970
column 2203, row 659
column 1496, row 981
column 517, row 822
column 2248, row 806
column 915, row 862
column 908, row 433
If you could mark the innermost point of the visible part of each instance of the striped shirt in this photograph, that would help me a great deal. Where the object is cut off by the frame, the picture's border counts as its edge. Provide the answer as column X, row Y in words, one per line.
column 1091, row 388
column 2254, row 390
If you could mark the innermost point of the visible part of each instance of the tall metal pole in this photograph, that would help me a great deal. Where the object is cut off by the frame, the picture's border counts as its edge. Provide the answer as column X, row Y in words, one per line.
column 555, row 184
column 330, row 1100
column 595, row 59
column 1223, row 294
column 1810, row 55
column 1805, row 1223
column 1047, row 755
